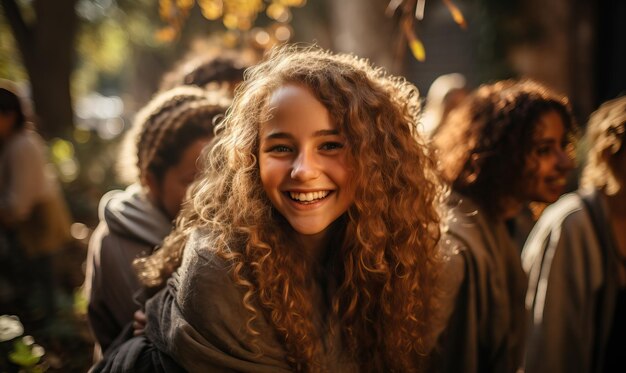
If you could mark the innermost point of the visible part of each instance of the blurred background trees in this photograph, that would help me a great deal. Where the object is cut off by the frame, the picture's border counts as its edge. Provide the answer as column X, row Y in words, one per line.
column 89, row 65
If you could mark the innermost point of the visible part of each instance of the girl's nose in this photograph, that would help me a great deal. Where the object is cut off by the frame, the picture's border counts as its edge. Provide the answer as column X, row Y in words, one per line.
column 305, row 167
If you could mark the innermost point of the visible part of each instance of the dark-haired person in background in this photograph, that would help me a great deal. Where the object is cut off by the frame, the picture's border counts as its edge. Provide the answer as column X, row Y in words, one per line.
column 504, row 146
column 576, row 260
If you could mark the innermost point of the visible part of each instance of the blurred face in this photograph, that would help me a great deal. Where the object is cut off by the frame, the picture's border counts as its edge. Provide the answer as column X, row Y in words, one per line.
column 302, row 161
column 549, row 163
column 7, row 122
column 170, row 192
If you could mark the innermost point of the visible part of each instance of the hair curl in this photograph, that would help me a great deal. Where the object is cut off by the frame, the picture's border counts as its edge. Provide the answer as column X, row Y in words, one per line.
column 385, row 248
column 606, row 131
column 485, row 143
column 209, row 69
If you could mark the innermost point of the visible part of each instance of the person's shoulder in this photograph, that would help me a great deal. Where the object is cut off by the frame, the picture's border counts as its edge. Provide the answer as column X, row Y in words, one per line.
column 205, row 280
column 26, row 142
column 201, row 258
column 569, row 208
column 463, row 230
column 105, row 200
column 566, row 217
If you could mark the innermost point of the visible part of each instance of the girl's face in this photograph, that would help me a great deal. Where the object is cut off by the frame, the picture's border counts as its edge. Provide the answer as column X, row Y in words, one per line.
column 549, row 162
column 302, row 161
column 170, row 192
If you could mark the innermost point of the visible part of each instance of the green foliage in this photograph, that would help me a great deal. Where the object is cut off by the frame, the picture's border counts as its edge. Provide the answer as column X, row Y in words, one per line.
column 10, row 62
column 23, row 355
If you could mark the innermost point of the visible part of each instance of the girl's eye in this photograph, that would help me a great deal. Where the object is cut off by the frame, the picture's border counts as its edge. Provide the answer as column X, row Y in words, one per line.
column 331, row 146
column 279, row 149
column 543, row 150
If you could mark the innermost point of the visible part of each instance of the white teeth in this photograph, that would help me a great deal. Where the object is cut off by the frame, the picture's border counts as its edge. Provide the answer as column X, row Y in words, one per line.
column 308, row 197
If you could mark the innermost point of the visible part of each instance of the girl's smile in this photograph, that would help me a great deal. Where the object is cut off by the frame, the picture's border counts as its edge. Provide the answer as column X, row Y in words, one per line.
column 549, row 164
column 302, row 161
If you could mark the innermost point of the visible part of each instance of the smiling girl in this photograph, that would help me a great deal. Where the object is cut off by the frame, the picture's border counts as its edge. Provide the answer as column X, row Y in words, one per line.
column 505, row 146
column 311, row 237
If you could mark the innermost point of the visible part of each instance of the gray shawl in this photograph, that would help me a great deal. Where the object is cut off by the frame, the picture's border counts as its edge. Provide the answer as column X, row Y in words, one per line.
column 487, row 327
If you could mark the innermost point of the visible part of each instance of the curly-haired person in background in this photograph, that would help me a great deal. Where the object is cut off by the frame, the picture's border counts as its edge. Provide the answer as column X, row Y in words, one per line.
column 311, row 238
column 214, row 70
column 506, row 145
column 165, row 142
column 576, row 259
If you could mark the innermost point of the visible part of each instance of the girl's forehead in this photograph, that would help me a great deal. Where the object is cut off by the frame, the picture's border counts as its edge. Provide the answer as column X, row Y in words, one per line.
column 549, row 125
column 290, row 92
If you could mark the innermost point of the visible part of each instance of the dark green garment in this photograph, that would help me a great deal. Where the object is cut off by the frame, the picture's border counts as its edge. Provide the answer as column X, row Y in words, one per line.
column 487, row 328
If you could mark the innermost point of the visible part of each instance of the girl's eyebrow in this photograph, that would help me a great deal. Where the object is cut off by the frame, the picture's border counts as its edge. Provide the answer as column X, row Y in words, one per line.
column 286, row 135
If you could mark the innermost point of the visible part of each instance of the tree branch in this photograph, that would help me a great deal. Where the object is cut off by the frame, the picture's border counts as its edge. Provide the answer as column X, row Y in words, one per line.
column 21, row 31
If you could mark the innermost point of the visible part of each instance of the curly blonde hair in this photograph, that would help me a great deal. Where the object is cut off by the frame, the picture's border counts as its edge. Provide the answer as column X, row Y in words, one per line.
column 385, row 256
column 606, row 131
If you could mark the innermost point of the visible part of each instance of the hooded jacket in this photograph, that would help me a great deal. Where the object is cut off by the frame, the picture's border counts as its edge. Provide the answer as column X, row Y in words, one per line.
column 571, row 258
column 130, row 227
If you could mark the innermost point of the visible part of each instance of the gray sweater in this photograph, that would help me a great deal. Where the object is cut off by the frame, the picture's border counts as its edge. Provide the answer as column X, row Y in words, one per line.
column 130, row 227
column 487, row 328
column 573, row 285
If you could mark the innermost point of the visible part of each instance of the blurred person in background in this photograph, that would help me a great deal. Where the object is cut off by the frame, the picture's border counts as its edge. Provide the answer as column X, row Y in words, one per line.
column 216, row 70
column 576, row 260
column 162, row 148
column 445, row 93
column 506, row 145
column 34, row 219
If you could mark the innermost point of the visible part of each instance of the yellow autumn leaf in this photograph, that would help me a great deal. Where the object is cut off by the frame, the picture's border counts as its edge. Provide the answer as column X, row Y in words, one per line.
column 230, row 21
column 456, row 14
column 211, row 9
column 417, row 48
column 276, row 11
column 292, row 3
column 185, row 4
column 166, row 34
column 166, row 9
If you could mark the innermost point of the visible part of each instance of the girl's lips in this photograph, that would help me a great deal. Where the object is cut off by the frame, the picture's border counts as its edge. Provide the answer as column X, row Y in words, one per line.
column 310, row 204
column 308, row 196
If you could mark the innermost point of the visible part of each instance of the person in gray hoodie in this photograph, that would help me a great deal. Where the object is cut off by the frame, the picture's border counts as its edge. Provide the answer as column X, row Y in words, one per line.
column 164, row 144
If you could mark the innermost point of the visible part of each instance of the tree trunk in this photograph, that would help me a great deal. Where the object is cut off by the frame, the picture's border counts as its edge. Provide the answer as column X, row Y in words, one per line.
column 360, row 27
column 47, row 52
